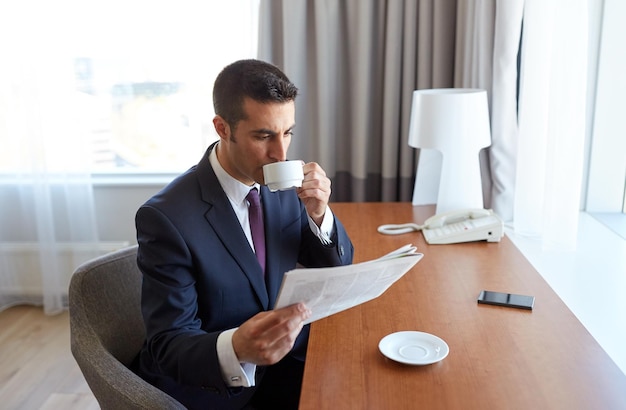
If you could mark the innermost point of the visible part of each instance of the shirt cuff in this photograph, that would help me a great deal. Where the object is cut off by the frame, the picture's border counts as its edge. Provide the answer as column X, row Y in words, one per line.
column 234, row 373
column 324, row 231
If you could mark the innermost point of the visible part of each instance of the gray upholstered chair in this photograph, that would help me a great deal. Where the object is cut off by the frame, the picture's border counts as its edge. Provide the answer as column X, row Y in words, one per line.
column 107, row 332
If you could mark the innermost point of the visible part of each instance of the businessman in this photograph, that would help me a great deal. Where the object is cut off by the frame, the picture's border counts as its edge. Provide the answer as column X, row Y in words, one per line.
column 209, row 286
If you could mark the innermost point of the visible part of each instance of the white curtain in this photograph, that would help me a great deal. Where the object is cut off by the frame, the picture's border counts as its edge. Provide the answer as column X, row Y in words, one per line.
column 536, row 156
column 488, row 38
column 551, row 121
column 62, row 64
column 47, row 221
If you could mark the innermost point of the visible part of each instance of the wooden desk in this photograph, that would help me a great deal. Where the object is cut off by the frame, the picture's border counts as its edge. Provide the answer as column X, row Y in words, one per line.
column 500, row 358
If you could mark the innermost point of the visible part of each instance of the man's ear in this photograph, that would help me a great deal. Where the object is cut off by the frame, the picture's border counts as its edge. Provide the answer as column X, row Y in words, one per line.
column 221, row 127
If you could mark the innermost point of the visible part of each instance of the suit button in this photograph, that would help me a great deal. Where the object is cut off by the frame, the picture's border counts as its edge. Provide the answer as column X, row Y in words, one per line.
column 341, row 250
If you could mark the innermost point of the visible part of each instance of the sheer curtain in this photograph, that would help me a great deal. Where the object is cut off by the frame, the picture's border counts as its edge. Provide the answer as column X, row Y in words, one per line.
column 552, row 121
column 47, row 220
column 117, row 87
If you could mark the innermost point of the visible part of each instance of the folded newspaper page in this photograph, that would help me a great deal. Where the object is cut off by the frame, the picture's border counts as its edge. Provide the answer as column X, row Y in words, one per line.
column 327, row 291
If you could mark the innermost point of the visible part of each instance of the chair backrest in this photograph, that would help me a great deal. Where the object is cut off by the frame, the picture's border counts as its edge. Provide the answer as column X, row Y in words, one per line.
column 107, row 331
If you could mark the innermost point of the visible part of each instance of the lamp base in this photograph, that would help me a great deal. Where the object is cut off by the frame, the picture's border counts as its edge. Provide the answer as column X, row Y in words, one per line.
column 452, row 184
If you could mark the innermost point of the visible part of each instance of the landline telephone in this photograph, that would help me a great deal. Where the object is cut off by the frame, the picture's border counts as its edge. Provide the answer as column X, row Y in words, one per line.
column 466, row 225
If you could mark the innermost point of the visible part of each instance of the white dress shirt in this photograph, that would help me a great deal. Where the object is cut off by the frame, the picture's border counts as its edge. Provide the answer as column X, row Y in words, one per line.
column 234, row 372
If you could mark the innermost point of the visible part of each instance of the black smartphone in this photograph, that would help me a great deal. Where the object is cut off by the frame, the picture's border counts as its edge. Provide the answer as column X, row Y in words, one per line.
column 506, row 299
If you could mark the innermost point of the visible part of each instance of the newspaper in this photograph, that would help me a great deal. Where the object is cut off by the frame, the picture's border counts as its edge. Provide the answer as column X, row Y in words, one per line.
column 327, row 291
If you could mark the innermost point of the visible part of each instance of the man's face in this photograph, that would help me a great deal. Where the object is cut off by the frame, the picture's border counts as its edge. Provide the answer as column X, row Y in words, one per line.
column 262, row 138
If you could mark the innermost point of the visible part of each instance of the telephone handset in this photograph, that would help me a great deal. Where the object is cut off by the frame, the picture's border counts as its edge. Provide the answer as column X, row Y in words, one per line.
column 454, row 227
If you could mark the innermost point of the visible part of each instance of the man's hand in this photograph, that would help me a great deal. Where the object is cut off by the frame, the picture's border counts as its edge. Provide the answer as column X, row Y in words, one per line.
column 267, row 337
column 315, row 191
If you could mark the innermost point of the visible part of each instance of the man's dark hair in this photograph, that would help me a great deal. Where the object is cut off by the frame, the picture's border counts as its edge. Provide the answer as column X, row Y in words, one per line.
column 255, row 79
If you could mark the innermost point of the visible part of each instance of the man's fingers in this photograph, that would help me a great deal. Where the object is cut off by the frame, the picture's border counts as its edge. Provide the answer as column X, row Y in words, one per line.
column 268, row 336
column 285, row 321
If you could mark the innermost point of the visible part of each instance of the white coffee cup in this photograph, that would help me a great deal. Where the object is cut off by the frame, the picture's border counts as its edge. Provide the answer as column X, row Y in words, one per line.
column 283, row 175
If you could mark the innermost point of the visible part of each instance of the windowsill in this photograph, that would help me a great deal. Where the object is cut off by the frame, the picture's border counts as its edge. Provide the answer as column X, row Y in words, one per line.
column 133, row 179
column 615, row 221
column 119, row 178
column 590, row 280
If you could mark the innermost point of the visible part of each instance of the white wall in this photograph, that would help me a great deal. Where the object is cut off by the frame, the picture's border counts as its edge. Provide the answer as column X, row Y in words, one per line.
column 116, row 205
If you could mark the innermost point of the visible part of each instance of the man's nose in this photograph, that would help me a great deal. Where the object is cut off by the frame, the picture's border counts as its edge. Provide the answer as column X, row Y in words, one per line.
column 278, row 149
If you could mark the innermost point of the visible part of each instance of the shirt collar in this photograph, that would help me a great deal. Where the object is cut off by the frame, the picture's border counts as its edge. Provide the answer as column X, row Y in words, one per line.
column 235, row 190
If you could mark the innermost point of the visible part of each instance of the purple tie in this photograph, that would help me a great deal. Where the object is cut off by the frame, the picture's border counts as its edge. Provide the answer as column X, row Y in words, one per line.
column 255, row 215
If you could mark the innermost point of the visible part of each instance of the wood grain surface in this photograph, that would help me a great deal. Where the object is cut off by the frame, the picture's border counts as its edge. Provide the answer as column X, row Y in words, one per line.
column 500, row 358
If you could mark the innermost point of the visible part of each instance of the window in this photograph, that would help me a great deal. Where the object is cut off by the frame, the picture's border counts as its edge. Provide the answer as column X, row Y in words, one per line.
column 141, row 74
column 606, row 190
column 149, row 71
column 607, row 172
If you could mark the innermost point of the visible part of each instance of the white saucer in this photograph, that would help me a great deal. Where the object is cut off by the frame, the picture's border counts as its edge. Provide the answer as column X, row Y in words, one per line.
column 417, row 348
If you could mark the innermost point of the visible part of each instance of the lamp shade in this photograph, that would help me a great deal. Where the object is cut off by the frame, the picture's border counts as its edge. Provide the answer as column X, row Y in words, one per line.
column 455, row 122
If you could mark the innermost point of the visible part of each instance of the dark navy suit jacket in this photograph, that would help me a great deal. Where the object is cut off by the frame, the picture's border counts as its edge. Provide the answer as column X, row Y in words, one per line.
column 201, row 277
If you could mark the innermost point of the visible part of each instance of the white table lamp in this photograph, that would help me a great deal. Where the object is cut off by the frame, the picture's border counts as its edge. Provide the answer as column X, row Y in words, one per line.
column 455, row 122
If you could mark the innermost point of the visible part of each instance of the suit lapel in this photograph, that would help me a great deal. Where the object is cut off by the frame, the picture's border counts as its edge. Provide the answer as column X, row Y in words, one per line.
column 224, row 222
